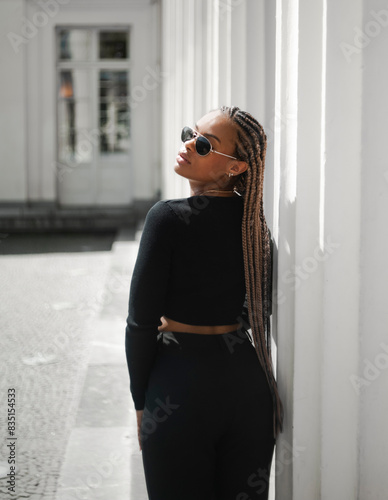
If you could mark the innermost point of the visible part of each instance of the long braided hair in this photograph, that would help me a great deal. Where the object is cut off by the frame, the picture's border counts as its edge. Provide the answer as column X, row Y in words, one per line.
column 251, row 148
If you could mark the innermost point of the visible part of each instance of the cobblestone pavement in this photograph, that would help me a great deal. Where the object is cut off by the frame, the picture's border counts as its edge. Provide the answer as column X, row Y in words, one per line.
column 51, row 305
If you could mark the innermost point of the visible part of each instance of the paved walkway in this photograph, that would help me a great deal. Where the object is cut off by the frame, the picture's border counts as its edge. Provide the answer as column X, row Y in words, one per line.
column 62, row 321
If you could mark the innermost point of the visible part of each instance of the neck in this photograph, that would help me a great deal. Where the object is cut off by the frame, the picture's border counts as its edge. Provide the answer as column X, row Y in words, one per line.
column 211, row 189
column 216, row 192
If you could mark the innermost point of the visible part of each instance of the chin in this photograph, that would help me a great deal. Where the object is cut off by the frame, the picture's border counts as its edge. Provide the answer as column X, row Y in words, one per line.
column 179, row 170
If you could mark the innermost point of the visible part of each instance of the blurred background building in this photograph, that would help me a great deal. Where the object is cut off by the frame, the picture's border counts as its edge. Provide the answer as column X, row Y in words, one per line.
column 80, row 112
column 93, row 96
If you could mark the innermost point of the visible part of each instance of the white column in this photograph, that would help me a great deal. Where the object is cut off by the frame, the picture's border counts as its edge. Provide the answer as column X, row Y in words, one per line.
column 177, row 102
column 223, row 16
column 318, row 157
column 261, row 88
column 342, row 221
column 284, row 232
column 41, row 107
column 259, row 54
column 370, row 52
column 13, row 168
column 185, row 61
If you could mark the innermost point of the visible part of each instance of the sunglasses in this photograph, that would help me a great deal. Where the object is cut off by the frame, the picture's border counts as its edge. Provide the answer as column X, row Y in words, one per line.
column 202, row 145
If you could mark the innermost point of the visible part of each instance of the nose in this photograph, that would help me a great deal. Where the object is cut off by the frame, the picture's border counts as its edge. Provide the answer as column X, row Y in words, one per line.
column 190, row 144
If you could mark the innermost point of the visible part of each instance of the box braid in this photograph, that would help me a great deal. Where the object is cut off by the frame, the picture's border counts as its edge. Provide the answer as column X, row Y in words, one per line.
column 251, row 148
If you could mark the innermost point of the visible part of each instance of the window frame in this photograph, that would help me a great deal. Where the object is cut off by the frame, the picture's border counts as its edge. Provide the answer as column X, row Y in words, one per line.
column 94, row 66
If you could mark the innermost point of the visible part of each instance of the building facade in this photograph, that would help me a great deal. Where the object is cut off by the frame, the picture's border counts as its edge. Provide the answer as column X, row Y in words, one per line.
column 80, row 107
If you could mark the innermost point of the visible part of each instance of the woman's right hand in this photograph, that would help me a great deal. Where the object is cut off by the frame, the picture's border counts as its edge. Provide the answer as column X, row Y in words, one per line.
column 139, row 416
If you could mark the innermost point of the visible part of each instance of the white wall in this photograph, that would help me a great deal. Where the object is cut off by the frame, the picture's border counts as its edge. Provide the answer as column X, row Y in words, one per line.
column 13, row 173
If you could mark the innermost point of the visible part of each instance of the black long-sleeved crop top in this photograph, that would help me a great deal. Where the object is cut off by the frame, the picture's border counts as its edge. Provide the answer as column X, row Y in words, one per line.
column 190, row 269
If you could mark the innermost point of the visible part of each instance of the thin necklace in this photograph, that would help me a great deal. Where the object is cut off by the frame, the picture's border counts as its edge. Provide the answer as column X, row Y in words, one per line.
column 215, row 191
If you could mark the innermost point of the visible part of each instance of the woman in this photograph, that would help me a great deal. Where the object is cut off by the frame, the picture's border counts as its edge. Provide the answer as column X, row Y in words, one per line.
column 208, row 409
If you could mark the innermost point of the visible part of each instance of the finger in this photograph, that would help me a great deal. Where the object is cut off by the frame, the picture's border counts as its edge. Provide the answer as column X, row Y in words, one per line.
column 138, row 437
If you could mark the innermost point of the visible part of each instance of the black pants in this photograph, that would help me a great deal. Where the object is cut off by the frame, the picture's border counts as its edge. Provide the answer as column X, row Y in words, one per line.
column 207, row 424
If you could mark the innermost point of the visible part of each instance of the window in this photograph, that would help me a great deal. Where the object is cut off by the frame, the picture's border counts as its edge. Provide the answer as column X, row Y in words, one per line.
column 93, row 94
column 114, row 120
column 113, row 45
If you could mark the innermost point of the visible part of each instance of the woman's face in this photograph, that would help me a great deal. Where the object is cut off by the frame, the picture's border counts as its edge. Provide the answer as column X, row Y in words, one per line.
column 212, row 168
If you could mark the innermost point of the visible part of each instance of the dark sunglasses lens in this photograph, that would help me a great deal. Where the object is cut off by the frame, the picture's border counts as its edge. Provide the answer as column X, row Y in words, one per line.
column 203, row 146
column 187, row 134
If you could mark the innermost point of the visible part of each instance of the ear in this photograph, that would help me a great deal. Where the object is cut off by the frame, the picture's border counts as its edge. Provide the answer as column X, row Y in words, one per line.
column 238, row 167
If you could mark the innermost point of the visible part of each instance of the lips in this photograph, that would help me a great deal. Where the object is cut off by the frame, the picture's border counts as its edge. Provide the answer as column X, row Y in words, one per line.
column 183, row 158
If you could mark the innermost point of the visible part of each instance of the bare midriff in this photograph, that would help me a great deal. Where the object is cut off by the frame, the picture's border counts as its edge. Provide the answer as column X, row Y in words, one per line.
column 170, row 325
